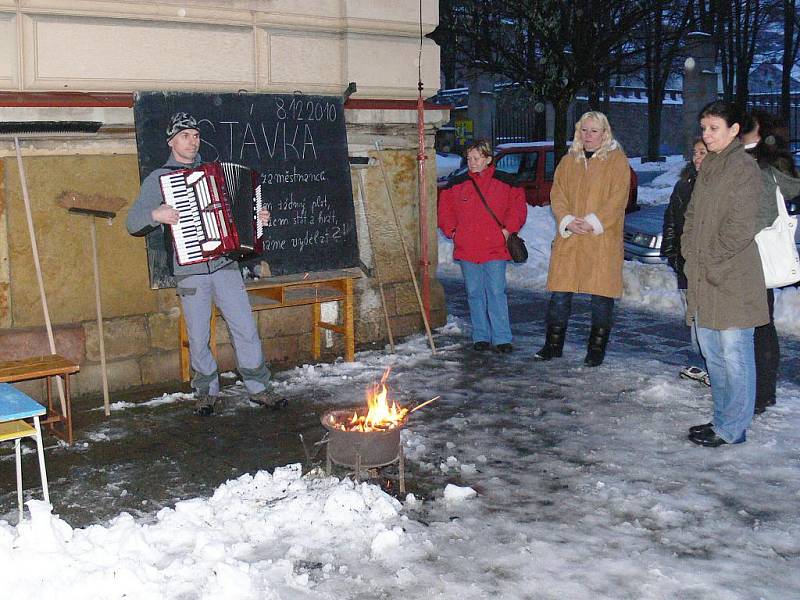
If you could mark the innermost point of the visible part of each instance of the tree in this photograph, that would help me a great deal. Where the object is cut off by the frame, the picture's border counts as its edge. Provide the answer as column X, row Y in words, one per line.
column 736, row 26
column 552, row 49
column 447, row 39
column 791, row 44
column 662, row 33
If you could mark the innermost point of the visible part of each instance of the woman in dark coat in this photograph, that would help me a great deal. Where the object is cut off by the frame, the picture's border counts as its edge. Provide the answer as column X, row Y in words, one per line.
column 726, row 295
column 674, row 217
column 764, row 140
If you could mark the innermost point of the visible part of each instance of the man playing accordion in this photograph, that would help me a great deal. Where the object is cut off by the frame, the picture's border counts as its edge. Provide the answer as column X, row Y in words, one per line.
column 200, row 285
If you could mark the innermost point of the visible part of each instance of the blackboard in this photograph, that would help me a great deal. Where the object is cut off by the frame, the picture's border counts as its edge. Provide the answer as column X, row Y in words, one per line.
column 297, row 142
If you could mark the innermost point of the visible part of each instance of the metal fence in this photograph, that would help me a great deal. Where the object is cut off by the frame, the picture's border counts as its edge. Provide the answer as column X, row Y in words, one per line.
column 516, row 119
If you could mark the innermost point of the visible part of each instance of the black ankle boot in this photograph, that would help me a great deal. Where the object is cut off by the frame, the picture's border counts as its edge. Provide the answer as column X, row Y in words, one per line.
column 596, row 349
column 554, row 343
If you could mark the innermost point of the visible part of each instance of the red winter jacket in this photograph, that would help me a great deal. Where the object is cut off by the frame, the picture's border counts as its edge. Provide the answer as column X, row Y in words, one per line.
column 464, row 218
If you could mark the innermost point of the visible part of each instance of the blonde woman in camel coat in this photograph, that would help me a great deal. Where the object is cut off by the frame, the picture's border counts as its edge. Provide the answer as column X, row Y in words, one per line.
column 588, row 199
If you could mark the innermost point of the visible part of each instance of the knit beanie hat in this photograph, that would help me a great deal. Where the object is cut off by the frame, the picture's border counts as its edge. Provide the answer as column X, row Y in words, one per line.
column 180, row 121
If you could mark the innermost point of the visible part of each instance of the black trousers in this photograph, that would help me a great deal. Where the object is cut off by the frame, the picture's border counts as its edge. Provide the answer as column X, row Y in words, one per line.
column 765, row 340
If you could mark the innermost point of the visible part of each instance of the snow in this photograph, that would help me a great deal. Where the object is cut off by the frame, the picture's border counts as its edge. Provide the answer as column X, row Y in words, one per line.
column 550, row 482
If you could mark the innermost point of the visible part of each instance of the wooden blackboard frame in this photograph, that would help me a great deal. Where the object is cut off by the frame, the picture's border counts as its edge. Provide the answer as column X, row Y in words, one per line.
column 297, row 142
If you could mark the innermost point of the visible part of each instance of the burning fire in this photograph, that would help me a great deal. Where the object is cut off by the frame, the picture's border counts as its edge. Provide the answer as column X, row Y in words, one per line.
column 381, row 415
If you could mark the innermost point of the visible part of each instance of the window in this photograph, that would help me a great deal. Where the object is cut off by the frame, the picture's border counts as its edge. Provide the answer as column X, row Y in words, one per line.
column 510, row 163
column 549, row 165
column 528, row 172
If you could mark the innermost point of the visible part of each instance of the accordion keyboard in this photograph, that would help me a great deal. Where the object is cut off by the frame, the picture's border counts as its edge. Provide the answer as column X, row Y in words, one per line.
column 218, row 205
column 197, row 232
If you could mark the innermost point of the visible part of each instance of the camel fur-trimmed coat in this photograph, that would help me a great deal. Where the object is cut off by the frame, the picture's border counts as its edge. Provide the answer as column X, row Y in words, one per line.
column 596, row 189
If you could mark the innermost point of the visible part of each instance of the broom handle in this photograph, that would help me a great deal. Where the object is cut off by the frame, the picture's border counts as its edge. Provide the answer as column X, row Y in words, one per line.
column 106, row 403
column 405, row 250
column 23, row 182
column 362, row 195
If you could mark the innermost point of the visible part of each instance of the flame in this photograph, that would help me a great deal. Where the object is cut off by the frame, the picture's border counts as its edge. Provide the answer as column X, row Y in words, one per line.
column 380, row 415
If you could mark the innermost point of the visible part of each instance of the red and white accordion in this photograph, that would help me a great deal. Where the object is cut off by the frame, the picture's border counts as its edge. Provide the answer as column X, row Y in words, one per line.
column 218, row 205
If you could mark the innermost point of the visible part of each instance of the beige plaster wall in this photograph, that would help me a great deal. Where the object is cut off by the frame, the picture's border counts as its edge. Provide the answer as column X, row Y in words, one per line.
column 317, row 46
column 64, row 241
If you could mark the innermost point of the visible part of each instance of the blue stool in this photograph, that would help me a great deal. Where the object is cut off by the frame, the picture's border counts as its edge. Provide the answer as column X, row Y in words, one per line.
column 14, row 407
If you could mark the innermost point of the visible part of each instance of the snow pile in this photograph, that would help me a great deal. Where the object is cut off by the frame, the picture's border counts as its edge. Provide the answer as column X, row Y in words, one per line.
column 262, row 536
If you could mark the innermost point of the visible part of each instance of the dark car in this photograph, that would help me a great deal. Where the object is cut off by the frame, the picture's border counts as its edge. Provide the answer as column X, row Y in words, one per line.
column 533, row 164
column 642, row 234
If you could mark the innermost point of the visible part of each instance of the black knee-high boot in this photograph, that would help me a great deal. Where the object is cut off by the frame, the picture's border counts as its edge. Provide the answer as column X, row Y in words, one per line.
column 553, row 344
column 596, row 349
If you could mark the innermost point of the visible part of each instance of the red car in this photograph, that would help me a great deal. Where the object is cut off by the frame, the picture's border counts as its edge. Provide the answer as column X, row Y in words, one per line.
column 534, row 164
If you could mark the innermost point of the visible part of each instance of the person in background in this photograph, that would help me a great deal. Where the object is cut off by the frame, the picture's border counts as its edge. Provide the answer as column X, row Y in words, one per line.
column 216, row 281
column 674, row 218
column 726, row 296
column 588, row 199
column 480, row 243
column 763, row 138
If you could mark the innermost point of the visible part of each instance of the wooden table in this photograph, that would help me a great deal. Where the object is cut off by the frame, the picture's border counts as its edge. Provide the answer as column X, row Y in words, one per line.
column 282, row 292
column 49, row 366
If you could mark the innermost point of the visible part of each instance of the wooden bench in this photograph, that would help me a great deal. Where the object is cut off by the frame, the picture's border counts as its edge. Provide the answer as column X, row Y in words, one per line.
column 48, row 366
column 281, row 292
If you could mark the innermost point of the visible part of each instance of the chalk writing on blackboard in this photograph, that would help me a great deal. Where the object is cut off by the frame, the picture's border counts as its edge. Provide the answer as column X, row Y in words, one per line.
column 297, row 143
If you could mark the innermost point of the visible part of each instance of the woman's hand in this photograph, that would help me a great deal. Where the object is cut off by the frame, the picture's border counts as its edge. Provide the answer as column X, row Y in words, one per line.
column 580, row 226
column 264, row 215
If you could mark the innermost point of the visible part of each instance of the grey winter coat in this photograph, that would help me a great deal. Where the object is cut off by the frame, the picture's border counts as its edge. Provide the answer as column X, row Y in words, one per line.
column 726, row 287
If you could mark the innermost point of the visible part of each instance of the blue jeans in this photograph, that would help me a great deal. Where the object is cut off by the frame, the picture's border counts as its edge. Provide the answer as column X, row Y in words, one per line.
column 694, row 358
column 488, row 304
column 732, row 369
column 560, row 308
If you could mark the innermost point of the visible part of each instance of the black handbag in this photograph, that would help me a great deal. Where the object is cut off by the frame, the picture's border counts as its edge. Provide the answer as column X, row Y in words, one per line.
column 514, row 243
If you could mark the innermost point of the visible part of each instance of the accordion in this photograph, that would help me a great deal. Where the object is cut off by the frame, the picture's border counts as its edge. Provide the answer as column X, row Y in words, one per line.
column 218, row 205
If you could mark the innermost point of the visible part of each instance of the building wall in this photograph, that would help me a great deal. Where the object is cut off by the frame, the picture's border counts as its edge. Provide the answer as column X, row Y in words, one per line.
column 317, row 46
column 276, row 46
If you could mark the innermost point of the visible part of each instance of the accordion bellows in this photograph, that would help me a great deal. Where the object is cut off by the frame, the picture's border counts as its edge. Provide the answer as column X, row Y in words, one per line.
column 218, row 206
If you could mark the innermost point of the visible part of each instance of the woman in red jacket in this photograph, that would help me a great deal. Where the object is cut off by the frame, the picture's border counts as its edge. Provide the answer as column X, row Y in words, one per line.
column 480, row 243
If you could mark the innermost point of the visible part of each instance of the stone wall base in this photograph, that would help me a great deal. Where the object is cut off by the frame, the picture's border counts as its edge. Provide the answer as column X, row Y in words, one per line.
column 147, row 360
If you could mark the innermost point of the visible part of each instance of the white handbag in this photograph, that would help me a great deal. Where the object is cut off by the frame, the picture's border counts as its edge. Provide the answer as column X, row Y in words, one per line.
column 777, row 248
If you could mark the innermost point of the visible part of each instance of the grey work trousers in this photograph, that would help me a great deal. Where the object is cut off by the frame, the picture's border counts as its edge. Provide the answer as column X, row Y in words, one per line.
column 225, row 289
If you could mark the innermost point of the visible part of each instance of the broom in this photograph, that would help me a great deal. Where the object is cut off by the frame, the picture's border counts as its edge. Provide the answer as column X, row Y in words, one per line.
column 16, row 130
column 405, row 249
column 95, row 206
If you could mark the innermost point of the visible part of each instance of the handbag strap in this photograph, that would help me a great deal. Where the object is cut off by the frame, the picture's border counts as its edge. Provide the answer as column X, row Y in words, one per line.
column 486, row 204
column 779, row 200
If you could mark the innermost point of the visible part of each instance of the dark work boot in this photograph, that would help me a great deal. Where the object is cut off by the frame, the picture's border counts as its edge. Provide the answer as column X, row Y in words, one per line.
column 553, row 343
column 596, row 349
